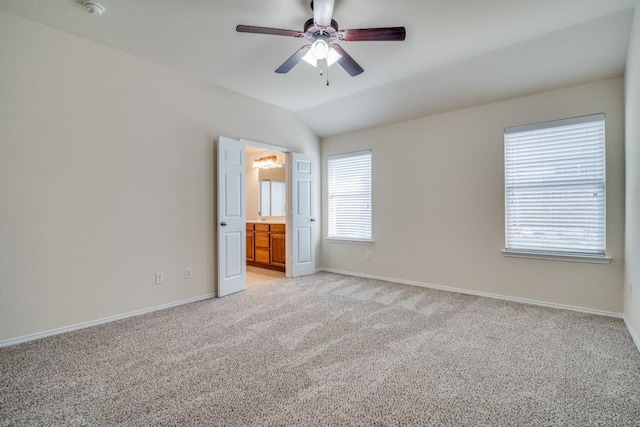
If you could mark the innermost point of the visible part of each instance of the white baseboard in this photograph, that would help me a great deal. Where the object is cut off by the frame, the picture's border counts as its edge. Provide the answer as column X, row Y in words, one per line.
column 26, row 338
column 478, row 293
column 51, row 332
column 633, row 334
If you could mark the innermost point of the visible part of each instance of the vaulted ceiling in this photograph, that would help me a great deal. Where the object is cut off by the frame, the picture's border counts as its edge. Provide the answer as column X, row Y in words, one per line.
column 457, row 53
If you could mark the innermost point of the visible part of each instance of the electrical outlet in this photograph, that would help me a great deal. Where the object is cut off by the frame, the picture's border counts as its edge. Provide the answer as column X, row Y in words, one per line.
column 159, row 278
column 188, row 274
column 367, row 255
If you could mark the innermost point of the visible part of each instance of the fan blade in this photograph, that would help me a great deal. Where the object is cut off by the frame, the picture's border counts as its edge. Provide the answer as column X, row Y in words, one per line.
column 347, row 62
column 266, row 30
column 322, row 12
column 372, row 34
column 293, row 61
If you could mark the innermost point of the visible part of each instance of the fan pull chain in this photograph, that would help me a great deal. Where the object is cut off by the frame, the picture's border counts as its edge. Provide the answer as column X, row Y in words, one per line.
column 323, row 63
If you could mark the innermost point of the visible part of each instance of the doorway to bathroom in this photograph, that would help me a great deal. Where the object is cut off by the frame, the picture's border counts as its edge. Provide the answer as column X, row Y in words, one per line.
column 276, row 243
column 266, row 214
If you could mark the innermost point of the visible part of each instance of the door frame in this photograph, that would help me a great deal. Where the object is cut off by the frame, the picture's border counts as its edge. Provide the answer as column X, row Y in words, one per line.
column 288, row 241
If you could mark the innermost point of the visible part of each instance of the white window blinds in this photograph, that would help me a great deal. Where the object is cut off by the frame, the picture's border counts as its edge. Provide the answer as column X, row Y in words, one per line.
column 278, row 198
column 555, row 186
column 273, row 198
column 265, row 198
column 349, row 185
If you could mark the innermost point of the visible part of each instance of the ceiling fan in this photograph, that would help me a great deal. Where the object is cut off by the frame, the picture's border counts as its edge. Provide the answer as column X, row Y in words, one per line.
column 322, row 31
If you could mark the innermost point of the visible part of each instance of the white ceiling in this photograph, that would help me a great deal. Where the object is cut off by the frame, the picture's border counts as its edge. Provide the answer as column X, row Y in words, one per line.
column 457, row 53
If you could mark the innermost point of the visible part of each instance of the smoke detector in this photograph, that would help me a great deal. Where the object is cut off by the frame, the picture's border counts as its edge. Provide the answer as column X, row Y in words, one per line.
column 94, row 8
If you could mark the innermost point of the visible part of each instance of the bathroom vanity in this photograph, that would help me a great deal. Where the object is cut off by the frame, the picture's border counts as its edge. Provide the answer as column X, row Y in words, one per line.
column 266, row 244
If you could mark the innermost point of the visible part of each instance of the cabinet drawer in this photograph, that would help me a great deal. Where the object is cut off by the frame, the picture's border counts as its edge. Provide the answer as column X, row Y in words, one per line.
column 263, row 255
column 278, row 250
column 278, row 228
column 250, row 246
column 262, row 227
column 262, row 239
column 250, row 227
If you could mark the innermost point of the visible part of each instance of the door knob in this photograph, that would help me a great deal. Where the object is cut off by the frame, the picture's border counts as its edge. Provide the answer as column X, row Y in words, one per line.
column 223, row 224
column 313, row 220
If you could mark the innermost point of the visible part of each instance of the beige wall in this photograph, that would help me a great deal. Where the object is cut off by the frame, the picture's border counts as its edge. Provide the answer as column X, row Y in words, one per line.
column 107, row 176
column 438, row 202
column 632, row 155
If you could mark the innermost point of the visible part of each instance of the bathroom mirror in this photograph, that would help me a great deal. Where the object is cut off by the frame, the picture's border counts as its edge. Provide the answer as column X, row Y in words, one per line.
column 272, row 198
column 272, row 192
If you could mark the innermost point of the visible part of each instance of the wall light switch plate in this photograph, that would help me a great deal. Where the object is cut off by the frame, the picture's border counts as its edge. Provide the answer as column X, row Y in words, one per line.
column 188, row 274
column 159, row 278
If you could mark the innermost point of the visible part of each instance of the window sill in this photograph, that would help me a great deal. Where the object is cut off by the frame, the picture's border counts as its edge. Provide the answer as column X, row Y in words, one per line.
column 352, row 241
column 594, row 259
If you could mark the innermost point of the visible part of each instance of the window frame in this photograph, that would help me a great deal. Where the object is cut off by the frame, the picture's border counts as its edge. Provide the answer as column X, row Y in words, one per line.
column 555, row 254
column 342, row 238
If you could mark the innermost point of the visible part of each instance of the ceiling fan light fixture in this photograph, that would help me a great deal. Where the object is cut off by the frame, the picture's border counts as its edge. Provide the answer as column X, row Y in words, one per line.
column 332, row 57
column 310, row 59
column 320, row 49
column 313, row 57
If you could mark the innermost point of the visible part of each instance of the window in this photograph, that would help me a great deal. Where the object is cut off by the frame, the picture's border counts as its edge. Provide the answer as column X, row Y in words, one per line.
column 349, row 179
column 555, row 187
column 272, row 198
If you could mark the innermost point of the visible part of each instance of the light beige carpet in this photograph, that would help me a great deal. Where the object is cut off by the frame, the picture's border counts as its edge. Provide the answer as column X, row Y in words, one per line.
column 331, row 350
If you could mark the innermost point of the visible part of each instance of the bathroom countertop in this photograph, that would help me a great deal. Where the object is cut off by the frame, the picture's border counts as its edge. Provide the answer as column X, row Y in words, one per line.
column 268, row 221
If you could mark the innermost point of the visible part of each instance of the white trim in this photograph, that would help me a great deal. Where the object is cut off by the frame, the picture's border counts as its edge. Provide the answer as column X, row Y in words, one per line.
column 555, row 123
column 353, row 241
column 83, row 325
column 478, row 293
column 634, row 336
column 594, row 259
column 350, row 154
column 265, row 146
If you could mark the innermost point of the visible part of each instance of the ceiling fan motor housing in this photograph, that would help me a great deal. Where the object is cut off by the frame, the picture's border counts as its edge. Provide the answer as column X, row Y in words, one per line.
column 311, row 30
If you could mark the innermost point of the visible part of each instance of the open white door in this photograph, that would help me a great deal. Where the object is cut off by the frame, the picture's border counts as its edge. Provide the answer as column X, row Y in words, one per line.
column 302, row 221
column 232, row 268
